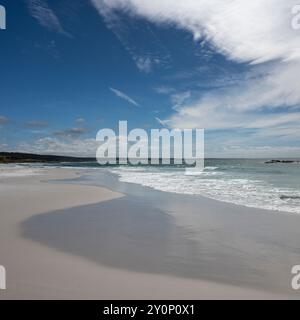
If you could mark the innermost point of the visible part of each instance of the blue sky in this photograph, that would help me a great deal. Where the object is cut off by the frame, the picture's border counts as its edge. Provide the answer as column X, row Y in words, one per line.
column 72, row 67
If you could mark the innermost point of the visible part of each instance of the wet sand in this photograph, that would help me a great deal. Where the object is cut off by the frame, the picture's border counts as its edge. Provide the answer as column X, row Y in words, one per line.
column 73, row 241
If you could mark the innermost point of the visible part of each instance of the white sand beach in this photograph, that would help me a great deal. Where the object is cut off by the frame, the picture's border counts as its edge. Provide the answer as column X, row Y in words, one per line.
column 35, row 271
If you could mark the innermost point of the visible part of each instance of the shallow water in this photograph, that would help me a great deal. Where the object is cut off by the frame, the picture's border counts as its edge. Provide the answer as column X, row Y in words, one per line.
column 247, row 182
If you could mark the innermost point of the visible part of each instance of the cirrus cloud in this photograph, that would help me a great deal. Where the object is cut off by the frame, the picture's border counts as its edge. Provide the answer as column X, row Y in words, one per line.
column 257, row 33
column 46, row 17
column 124, row 96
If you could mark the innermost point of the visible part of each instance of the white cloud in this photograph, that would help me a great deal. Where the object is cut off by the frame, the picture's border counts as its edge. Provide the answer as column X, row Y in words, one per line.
column 80, row 120
column 244, row 105
column 256, row 32
column 124, row 96
column 242, row 150
column 144, row 64
column 147, row 63
column 279, row 142
column 233, row 26
column 49, row 145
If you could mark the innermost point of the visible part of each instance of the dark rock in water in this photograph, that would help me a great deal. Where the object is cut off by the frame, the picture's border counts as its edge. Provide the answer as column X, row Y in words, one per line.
column 283, row 161
column 273, row 161
column 283, row 197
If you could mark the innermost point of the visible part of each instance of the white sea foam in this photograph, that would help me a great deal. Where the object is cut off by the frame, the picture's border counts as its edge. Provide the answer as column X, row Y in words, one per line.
column 7, row 171
column 215, row 185
column 211, row 168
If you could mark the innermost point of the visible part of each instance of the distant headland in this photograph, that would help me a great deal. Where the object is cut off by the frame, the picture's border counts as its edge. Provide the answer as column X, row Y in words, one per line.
column 18, row 157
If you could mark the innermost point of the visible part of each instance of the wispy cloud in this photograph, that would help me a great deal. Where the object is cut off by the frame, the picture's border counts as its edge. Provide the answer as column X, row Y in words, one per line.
column 54, row 145
column 80, row 120
column 246, row 32
column 124, row 96
column 147, row 55
column 36, row 124
column 3, row 120
column 144, row 64
column 163, row 123
column 45, row 16
column 71, row 133
column 164, row 89
column 3, row 146
column 178, row 99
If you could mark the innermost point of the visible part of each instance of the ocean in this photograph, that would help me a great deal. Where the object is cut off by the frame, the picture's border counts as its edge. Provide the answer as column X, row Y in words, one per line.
column 247, row 182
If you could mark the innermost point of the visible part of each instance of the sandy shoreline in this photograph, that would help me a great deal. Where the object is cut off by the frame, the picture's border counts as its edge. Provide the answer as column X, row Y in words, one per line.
column 36, row 271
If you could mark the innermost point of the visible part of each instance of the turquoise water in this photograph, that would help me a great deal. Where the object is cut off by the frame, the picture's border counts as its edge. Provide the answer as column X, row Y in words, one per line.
column 251, row 183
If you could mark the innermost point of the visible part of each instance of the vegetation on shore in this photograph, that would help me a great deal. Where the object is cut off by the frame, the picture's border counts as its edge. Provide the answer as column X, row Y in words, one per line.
column 16, row 157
